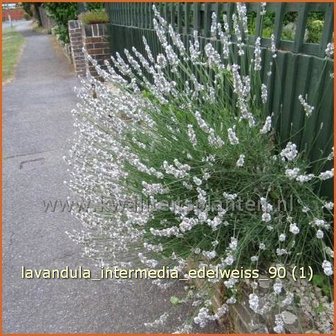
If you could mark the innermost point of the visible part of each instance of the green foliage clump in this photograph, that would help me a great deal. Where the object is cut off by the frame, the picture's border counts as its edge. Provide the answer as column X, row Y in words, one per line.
column 315, row 28
column 26, row 16
column 94, row 5
column 62, row 13
column 262, row 176
column 313, row 32
column 94, row 16
column 27, row 8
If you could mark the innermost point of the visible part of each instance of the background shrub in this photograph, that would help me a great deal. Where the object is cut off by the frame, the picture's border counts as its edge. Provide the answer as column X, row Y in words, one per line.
column 62, row 13
column 94, row 16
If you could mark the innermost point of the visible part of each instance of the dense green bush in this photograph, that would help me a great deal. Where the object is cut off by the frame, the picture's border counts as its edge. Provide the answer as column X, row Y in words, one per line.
column 313, row 30
column 27, row 8
column 94, row 5
column 62, row 13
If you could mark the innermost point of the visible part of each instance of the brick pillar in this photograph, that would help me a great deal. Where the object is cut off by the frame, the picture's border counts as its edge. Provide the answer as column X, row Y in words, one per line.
column 76, row 43
column 95, row 41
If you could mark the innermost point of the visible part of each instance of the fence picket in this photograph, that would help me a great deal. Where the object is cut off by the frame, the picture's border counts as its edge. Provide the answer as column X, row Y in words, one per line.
column 327, row 29
column 279, row 14
column 196, row 16
column 207, row 20
column 300, row 27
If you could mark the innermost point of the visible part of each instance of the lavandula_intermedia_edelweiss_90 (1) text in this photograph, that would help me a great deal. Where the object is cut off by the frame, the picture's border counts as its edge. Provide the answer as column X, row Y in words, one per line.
column 163, row 128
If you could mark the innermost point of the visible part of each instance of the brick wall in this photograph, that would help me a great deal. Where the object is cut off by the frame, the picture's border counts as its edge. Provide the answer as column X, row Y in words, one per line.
column 94, row 38
column 95, row 41
column 241, row 319
column 76, row 42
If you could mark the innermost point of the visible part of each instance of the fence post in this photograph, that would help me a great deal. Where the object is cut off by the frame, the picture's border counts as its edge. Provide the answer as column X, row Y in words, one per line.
column 300, row 28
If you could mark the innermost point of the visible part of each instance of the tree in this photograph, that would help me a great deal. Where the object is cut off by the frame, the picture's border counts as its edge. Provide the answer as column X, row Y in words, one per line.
column 32, row 9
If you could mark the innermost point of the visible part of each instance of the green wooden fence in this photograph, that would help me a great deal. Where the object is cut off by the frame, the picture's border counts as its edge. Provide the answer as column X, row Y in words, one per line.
column 300, row 67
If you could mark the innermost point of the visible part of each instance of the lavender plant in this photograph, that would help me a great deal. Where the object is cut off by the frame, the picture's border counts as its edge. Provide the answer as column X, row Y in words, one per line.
column 179, row 153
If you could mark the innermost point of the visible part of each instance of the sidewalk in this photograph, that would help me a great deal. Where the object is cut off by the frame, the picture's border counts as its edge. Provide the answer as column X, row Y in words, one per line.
column 36, row 126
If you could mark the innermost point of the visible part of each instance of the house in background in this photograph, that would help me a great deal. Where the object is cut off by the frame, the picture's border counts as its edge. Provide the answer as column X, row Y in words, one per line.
column 12, row 11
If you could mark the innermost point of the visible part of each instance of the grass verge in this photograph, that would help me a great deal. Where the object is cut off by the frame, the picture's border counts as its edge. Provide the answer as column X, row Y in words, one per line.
column 12, row 44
